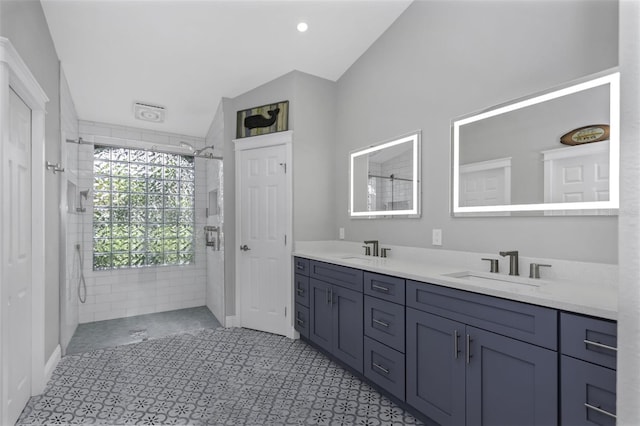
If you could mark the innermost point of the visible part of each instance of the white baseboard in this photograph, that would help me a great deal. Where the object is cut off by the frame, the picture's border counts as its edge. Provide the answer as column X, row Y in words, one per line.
column 232, row 321
column 51, row 364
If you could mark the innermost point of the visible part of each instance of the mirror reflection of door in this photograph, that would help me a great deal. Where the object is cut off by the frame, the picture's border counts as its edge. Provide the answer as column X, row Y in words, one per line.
column 486, row 183
column 576, row 174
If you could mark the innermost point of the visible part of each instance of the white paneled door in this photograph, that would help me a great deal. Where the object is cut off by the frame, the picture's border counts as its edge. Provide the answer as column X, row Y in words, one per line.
column 16, row 214
column 263, row 274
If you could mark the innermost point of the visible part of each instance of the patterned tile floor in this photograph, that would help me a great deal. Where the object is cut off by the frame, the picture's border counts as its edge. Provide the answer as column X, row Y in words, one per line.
column 209, row 377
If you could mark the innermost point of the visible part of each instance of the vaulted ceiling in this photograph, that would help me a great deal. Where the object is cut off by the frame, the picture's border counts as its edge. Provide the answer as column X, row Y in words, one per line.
column 186, row 55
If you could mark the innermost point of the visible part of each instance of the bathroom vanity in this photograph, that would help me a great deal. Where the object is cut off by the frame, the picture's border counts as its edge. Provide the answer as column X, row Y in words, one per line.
column 459, row 352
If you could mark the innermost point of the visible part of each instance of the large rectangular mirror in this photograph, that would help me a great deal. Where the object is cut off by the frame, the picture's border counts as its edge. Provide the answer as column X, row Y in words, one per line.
column 385, row 179
column 553, row 153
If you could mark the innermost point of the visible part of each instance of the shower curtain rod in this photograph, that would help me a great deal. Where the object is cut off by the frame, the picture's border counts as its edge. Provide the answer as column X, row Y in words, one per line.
column 155, row 148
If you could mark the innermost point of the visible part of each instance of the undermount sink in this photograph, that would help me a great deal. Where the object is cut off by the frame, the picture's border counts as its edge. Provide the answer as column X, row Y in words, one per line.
column 489, row 278
column 354, row 258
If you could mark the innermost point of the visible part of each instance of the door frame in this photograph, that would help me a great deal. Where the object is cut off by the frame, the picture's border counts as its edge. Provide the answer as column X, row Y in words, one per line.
column 256, row 142
column 15, row 74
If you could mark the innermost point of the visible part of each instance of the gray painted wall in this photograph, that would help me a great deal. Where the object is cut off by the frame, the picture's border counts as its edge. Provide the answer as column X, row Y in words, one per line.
column 24, row 24
column 311, row 117
column 443, row 59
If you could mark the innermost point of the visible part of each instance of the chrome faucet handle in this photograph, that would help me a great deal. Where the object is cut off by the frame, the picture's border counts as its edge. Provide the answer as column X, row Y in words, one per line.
column 493, row 265
column 375, row 246
column 367, row 250
column 534, row 270
column 384, row 251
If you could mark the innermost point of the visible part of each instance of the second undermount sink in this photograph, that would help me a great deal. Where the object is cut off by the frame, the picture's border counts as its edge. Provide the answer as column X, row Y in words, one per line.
column 355, row 258
column 489, row 278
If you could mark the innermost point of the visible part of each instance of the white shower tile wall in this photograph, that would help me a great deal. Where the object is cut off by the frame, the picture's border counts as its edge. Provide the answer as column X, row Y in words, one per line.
column 136, row 291
column 397, row 192
column 70, row 268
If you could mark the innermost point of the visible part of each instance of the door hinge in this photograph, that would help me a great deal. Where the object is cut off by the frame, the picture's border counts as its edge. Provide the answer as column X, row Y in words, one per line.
column 284, row 165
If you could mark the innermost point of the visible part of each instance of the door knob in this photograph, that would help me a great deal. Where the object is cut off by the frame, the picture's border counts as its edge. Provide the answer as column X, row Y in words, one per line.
column 244, row 248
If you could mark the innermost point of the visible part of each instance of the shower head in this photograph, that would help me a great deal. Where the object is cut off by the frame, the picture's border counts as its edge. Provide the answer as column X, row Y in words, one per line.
column 187, row 145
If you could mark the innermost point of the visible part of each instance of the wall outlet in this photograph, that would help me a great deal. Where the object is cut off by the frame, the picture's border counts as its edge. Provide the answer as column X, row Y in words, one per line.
column 436, row 237
column 341, row 233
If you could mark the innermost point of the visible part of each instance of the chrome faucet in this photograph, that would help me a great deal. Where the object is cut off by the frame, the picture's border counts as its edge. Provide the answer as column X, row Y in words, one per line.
column 375, row 246
column 513, row 261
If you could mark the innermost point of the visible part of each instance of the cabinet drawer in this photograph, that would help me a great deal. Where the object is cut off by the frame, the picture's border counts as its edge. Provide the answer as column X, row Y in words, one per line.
column 302, row 290
column 301, row 320
column 336, row 274
column 384, row 367
column 384, row 287
column 384, row 321
column 590, row 339
column 301, row 265
column 588, row 393
column 529, row 323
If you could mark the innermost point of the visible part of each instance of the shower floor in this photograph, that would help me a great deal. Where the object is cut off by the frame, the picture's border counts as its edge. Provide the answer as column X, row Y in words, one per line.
column 123, row 331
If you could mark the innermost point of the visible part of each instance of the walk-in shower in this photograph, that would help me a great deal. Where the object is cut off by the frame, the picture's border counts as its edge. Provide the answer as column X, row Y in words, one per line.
column 104, row 197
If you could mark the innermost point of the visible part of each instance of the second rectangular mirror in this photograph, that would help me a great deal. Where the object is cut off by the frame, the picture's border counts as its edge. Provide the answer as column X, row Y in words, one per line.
column 553, row 153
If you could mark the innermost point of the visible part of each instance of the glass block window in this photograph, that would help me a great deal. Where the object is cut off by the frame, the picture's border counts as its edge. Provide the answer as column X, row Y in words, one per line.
column 143, row 208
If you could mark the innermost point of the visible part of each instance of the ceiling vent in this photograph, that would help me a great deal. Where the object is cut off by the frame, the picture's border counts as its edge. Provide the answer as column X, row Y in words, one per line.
column 146, row 112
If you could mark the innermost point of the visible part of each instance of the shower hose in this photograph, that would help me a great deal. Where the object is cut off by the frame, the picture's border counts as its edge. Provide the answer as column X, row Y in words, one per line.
column 82, row 285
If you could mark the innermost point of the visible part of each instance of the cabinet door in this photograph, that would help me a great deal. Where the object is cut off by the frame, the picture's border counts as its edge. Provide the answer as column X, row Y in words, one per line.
column 348, row 333
column 321, row 316
column 510, row 382
column 588, row 393
column 435, row 367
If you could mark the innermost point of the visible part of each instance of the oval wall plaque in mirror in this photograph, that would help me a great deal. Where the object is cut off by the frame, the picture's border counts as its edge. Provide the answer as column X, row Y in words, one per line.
column 510, row 159
column 384, row 179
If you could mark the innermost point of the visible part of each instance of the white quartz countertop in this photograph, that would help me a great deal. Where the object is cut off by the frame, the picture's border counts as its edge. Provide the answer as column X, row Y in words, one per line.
column 596, row 299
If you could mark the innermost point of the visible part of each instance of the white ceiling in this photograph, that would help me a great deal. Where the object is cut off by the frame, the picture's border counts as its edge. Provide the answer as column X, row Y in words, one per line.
column 186, row 55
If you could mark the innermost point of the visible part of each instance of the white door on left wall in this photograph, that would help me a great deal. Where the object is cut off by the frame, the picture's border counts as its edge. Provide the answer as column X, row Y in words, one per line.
column 16, row 214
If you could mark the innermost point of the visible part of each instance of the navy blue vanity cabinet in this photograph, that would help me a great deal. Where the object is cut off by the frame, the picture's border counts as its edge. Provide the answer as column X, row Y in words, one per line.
column 471, row 358
column 336, row 311
column 587, row 370
column 384, row 329
column 301, row 296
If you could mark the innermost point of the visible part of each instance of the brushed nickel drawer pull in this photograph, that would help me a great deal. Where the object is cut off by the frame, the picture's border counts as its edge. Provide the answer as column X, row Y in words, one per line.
column 455, row 344
column 300, row 291
column 468, row 349
column 299, row 267
column 299, row 321
column 381, row 368
column 600, row 345
column 599, row 410
column 382, row 323
column 379, row 287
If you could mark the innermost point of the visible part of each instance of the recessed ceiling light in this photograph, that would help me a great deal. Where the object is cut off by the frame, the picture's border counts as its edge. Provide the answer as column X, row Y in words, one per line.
column 302, row 27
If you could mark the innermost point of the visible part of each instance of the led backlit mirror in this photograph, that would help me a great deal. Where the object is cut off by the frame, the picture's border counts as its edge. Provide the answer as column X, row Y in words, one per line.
column 385, row 179
column 553, row 153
